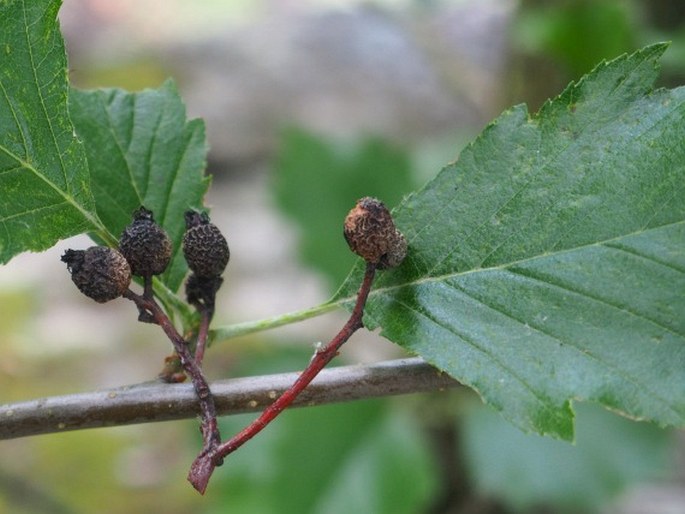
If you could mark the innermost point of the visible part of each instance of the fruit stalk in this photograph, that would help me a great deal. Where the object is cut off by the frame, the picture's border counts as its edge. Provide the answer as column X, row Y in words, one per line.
column 208, row 427
column 202, row 468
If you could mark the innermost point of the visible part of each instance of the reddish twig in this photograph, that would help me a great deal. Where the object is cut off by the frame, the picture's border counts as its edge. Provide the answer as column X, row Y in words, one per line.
column 202, row 468
column 206, row 315
column 151, row 312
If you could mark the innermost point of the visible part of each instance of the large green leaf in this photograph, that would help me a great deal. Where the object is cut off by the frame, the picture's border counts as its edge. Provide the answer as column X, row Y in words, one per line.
column 547, row 264
column 143, row 151
column 44, row 183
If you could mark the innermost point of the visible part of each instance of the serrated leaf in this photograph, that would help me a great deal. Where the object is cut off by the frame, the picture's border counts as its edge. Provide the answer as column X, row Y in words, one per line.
column 547, row 263
column 143, row 151
column 44, row 182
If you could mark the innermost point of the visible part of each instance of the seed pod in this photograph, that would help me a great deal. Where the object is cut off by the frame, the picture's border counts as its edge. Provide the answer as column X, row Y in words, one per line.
column 370, row 232
column 99, row 272
column 204, row 247
column 145, row 245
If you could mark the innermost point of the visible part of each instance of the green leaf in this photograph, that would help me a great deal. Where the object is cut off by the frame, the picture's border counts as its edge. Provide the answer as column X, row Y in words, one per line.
column 547, row 263
column 313, row 175
column 143, row 151
column 526, row 470
column 44, row 184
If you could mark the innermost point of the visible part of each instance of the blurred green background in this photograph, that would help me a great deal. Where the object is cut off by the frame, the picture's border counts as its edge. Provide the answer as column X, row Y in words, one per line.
column 309, row 106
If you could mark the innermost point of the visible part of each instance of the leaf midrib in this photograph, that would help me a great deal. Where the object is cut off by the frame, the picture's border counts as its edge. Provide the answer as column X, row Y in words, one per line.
column 95, row 222
column 505, row 266
column 544, row 401
column 69, row 199
column 583, row 352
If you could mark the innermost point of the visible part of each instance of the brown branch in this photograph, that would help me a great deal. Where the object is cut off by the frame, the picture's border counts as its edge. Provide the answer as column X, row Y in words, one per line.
column 157, row 401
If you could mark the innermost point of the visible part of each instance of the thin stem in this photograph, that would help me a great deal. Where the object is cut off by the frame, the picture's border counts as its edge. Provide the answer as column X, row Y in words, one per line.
column 147, row 287
column 249, row 327
column 202, row 468
column 172, row 303
column 209, row 426
column 203, row 331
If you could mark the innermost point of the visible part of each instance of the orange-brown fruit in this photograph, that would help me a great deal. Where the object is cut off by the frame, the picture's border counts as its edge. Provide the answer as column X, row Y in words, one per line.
column 371, row 233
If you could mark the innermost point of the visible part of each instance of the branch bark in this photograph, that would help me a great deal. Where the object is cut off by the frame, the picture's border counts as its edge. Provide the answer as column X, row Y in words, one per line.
column 155, row 401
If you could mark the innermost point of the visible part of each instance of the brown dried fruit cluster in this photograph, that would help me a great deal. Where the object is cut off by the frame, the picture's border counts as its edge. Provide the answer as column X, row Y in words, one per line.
column 101, row 273
column 204, row 247
column 145, row 250
column 371, row 233
column 145, row 245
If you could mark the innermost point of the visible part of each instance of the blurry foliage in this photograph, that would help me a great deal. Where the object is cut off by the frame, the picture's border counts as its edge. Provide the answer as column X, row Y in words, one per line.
column 556, row 41
column 133, row 75
column 528, row 470
column 16, row 306
column 316, row 182
column 337, row 458
column 577, row 34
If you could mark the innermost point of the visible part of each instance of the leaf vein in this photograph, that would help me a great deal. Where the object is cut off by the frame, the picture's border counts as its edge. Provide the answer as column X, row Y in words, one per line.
column 583, row 352
column 549, row 280
column 503, row 266
column 14, row 116
column 120, row 147
column 41, row 99
column 632, row 251
column 176, row 170
column 542, row 400
column 32, row 211
column 151, row 148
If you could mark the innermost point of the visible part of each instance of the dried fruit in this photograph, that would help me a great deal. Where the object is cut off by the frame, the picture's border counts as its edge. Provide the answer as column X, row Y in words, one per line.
column 202, row 290
column 204, row 247
column 371, row 233
column 99, row 272
column 145, row 245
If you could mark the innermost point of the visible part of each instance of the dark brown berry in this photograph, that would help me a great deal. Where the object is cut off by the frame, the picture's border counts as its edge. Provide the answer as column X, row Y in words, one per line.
column 145, row 245
column 202, row 290
column 99, row 272
column 205, row 248
column 371, row 233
